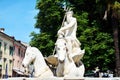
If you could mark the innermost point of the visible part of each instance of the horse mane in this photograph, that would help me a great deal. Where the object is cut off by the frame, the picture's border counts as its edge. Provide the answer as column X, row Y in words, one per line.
column 33, row 49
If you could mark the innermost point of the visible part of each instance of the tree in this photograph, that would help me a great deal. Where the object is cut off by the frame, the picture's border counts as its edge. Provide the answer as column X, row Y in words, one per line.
column 115, row 20
column 112, row 15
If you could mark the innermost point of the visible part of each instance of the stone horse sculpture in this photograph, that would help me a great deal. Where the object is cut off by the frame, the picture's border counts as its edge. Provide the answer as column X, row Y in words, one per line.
column 41, row 68
column 66, row 65
column 67, row 48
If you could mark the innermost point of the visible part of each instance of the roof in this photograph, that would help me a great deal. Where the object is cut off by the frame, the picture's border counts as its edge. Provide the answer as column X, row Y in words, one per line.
column 12, row 38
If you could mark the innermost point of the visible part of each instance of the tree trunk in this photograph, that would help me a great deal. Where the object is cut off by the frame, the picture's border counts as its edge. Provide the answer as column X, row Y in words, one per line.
column 116, row 44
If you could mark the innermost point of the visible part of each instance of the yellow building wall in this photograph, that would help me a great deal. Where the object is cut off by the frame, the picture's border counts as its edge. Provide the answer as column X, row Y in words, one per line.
column 6, row 58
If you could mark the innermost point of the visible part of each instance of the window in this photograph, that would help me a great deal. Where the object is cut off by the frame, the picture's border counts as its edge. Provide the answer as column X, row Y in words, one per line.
column 11, row 49
column 22, row 54
column 10, row 65
column 5, row 46
column 4, row 63
column 0, row 45
column 19, row 51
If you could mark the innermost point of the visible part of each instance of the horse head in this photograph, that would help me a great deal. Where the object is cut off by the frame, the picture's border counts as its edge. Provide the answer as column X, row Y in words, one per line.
column 61, row 49
column 29, row 57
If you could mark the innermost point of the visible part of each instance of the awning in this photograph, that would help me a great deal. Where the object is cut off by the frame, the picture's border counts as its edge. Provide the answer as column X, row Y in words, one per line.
column 18, row 71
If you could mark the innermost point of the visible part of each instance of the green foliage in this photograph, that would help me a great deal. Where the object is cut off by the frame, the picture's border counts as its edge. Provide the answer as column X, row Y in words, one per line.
column 43, row 42
column 116, row 5
column 98, row 45
column 49, row 16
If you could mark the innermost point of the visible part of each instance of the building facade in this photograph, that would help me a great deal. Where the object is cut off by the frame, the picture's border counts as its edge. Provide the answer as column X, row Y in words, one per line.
column 19, row 53
column 11, row 56
column 6, row 53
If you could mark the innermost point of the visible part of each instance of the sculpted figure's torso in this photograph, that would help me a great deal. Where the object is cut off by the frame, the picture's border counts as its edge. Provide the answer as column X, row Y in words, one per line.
column 69, row 31
column 72, row 28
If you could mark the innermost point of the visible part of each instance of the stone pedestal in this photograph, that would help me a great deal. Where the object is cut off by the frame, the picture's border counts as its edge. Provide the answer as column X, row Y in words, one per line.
column 61, row 78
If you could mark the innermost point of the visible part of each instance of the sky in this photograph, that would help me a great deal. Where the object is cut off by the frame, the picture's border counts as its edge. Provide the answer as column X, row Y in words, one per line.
column 17, row 17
